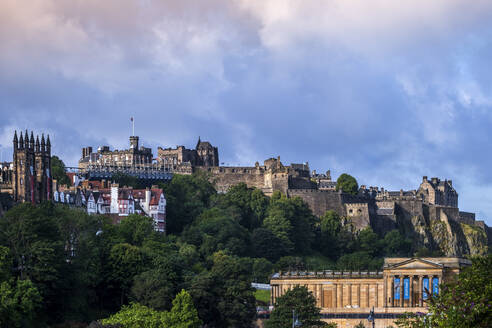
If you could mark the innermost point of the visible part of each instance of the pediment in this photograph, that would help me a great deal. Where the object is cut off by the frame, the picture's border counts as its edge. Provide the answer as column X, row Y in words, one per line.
column 415, row 263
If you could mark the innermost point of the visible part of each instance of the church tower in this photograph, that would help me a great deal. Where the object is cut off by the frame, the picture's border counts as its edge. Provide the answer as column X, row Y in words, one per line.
column 32, row 169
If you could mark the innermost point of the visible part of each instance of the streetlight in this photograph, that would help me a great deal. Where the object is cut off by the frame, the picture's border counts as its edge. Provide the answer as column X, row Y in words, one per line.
column 371, row 317
column 295, row 320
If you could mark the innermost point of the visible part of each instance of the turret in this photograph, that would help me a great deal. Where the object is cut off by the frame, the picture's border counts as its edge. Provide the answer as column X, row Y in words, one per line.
column 16, row 142
column 31, row 142
column 48, row 145
column 21, row 141
column 26, row 141
column 37, row 144
column 43, row 144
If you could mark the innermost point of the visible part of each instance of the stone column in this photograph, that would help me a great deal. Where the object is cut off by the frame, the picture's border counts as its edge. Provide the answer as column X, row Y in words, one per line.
column 335, row 296
column 350, row 294
column 410, row 290
column 420, row 294
column 358, row 286
column 385, row 291
column 341, row 296
column 402, row 301
column 376, row 292
column 392, row 291
column 320, row 292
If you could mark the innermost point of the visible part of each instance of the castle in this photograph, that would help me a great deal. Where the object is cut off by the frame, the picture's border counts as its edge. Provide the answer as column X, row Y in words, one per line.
column 28, row 177
column 428, row 214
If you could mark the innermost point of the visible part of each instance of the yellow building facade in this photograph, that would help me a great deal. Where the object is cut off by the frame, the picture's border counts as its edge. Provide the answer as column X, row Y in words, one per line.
column 346, row 298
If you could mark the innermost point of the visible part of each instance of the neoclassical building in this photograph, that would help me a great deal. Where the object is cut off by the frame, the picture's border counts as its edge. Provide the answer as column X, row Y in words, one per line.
column 346, row 298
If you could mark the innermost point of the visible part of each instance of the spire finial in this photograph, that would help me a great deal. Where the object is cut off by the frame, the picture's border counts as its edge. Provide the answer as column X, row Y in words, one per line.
column 15, row 141
column 26, row 140
column 37, row 144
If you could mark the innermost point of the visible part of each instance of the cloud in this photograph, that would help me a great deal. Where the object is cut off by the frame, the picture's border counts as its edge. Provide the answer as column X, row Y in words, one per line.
column 388, row 91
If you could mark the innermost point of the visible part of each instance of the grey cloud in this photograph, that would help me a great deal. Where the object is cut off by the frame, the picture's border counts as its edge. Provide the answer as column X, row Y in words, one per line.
column 388, row 97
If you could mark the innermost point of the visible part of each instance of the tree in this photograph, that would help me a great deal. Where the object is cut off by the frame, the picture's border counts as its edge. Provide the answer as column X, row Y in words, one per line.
column 250, row 204
column 266, row 244
column 464, row 303
column 368, row 241
column 184, row 314
column 137, row 315
column 135, row 229
column 216, row 230
column 59, row 172
column 224, row 296
column 262, row 270
column 291, row 220
column 19, row 302
column 300, row 300
column 348, row 184
column 37, row 252
column 187, row 197
column 395, row 244
column 125, row 261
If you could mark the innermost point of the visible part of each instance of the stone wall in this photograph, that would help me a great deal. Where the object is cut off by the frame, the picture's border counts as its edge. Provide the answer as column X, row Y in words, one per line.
column 358, row 213
column 225, row 177
column 320, row 201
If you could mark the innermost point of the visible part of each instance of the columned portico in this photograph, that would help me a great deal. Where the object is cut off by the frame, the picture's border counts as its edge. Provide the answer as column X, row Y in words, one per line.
column 404, row 285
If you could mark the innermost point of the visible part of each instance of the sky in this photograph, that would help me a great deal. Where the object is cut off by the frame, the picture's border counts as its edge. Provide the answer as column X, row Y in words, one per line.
column 387, row 91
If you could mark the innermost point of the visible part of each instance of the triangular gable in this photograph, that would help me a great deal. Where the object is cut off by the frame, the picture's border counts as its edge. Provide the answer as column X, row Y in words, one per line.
column 415, row 263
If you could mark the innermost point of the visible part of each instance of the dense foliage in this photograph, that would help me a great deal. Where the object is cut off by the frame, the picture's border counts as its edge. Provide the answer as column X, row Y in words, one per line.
column 347, row 183
column 182, row 315
column 58, row 171
column 58, row 264
column 464, row 303
column 297, row 302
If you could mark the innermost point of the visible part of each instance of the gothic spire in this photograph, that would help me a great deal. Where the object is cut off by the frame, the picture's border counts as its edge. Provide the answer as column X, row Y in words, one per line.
column 42, row 143
column 48, row 145
column 21, row 141
column 37, row 144
column 16, row 142
column 26, row 140
column 31, row 142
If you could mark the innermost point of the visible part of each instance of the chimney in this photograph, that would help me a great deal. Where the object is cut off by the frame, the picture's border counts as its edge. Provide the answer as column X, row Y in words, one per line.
column 114, row 198
column 147, row 200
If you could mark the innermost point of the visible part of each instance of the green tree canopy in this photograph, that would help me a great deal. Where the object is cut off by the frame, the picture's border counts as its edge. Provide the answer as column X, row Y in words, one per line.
column 249, row 203
column 300, row 300
column 19, row 303
column 216, row 230
column 183, row 313
column 291, row 220
column 187, row 197
column 59, row 172
column 348, row 184
column 223, row 295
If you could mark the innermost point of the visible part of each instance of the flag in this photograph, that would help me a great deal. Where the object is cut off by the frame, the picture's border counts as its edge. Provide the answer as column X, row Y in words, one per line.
column 131, row 118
